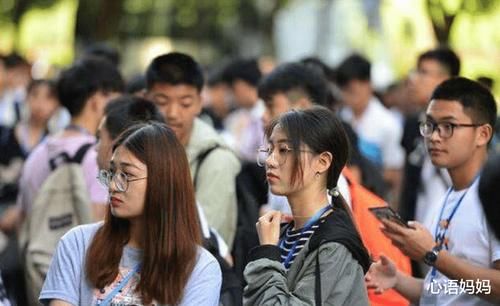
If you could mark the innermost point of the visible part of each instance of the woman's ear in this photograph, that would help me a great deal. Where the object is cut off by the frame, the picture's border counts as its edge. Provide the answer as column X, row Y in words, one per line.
column 325, row 160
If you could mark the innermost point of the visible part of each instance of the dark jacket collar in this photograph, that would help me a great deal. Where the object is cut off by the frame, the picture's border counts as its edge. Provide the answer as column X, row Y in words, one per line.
column 339, row 227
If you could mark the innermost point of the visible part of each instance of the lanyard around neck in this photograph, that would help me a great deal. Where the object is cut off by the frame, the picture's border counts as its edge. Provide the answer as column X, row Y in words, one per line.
column 306, row 227
column 445, row 223
column 440, row 235
column 120, row 286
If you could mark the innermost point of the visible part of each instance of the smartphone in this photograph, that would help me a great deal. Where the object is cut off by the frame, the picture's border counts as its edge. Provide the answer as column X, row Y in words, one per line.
column 385, row 212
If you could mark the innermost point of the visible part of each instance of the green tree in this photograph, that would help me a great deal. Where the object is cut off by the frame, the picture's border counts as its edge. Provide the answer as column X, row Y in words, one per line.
column 443, row 14
column 14, row 12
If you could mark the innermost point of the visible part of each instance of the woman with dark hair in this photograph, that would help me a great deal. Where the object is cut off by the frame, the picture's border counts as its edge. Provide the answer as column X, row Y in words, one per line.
column 317, row 258
column 147, row 251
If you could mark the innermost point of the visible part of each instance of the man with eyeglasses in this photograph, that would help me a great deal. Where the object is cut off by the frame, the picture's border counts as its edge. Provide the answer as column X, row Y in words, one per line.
column 423, row 183
column 461, row 250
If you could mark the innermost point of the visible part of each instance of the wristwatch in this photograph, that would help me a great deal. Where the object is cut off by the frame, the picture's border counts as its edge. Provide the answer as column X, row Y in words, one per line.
column 431, row 256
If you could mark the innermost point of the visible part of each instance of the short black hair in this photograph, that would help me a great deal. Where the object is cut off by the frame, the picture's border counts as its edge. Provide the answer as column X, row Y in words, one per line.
column 105, row 51
column 319, row 65
column 243, row 69
column 175, row 69
column 354, row 67
column 34, row 84
column 477, row 100
column 215, row 75
column 14, row 60
column 83, row 79
column 136, row 84
column 489, row 193
column 448, row 59
column 298, row 77
column 127, row 110
column 486, row 82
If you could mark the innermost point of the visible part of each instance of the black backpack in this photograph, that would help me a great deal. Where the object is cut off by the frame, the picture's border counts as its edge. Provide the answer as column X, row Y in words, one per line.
column 231, row 291
column 245, row 239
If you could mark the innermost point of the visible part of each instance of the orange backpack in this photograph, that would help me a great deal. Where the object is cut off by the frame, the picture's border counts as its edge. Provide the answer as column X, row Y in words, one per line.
column 373, row 239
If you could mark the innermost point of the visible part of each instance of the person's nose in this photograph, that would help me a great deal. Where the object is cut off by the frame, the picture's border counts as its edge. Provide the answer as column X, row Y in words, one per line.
column 172, row 111
column 112, row 187
column 271, row 161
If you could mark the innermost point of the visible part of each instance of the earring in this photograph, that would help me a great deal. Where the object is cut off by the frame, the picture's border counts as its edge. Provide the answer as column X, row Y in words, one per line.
column 317, row 174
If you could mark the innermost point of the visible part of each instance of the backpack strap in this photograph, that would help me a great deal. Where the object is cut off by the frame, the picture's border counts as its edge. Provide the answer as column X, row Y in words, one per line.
column 317, row 282
column 17, row 111
column 200, row 159
column 80, row 154
column 211, row 243
column 64, row 157
column 4, row 136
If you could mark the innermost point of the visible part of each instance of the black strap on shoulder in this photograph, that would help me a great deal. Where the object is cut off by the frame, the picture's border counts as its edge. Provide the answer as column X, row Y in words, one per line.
column 317, row 283
column 17, row 111
column 200, row 159
column 80, row 154
column 64, row 157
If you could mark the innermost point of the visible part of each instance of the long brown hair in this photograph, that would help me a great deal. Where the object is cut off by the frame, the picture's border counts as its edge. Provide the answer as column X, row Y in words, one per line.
column 170, row 221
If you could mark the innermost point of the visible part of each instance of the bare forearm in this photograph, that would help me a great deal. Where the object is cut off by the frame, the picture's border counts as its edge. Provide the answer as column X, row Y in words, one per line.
column 409, row 287
column 458, row 269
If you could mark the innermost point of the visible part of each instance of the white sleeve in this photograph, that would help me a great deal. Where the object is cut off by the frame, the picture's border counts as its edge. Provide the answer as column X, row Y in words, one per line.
column 205, row 230
column 392, row 151
column 494, row 246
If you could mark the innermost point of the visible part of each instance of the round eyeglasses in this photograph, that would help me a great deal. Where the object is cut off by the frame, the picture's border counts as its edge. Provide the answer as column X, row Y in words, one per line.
column 121, row 179
column 445, row 129
column 278, row 154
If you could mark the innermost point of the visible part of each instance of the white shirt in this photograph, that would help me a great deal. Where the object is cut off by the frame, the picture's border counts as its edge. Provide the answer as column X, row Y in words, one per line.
column 379, row 134
column 430, row 198
column 245, row 131
column 471, row 239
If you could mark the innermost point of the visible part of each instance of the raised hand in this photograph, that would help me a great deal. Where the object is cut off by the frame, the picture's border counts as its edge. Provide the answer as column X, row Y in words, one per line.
column 382, row 275
column 268, row 227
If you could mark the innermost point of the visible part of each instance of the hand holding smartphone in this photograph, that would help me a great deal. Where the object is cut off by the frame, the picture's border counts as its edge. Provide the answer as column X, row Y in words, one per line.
column 385, row 212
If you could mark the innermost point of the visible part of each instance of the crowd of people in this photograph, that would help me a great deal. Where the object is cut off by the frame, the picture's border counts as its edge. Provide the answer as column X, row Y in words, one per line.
column 234, row 185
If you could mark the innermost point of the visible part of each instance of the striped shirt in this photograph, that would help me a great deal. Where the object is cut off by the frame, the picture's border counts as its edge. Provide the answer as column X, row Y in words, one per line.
column 291, row 236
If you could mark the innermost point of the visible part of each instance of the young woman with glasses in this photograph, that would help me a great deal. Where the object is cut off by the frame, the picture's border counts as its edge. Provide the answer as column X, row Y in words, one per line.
column 317, row 258
column 147, row 250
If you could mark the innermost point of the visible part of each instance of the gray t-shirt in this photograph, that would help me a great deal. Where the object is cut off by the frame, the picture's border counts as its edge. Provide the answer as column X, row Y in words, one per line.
column 67, row 281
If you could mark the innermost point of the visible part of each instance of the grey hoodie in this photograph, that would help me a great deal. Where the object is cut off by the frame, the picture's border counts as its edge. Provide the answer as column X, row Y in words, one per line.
column 216, row 185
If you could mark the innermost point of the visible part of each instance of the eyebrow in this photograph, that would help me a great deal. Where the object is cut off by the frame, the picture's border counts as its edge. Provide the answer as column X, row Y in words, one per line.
column 447, row 118
column 280, row 141
column 124, row 164
column 160, row 94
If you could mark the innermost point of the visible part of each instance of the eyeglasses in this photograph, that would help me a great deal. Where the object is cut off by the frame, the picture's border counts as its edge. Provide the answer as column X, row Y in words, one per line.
column 279, row 155
column 445, row 129
column 121, row 179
